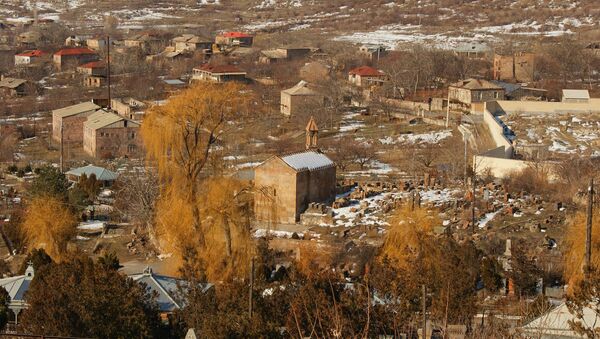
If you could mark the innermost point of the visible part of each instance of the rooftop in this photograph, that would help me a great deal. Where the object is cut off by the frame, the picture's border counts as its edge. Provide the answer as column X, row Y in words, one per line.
column 366, row 71
column 301, row 88
column 17, row 286
column 75, row 109
column 11, row 82
column 308, row 160
column 101, row 173
column 472, row 83
column 220, row 69
column 236, row 35
column 102, row 118
column 32, row 53
column 581, row 94
column 166, row 288
column 94, row 64
column 75, row 51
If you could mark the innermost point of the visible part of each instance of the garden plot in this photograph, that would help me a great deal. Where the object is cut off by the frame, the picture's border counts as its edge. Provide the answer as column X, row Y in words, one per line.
column 562, row 134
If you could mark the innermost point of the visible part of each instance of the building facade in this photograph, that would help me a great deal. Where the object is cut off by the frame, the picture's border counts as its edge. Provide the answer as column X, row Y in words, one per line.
column 300, row 97
column 292, row 182
column 70, row 120
column 107, row 135
column 518, row 67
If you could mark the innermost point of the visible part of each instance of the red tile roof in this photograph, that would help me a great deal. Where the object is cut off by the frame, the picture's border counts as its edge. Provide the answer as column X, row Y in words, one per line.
column 94, row 64
column 366, row 71
column 74, row 51
column 220, row 68
column 33, row 53
column 236, row 35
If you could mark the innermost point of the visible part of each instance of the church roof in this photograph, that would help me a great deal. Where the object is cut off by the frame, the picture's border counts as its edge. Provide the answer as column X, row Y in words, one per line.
column 308, row 160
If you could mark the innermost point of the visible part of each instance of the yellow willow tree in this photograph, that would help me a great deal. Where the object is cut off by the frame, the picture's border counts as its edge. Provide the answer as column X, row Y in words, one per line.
column 409, row 233
column 179, row 138
column 575, row 246
column 49, row 224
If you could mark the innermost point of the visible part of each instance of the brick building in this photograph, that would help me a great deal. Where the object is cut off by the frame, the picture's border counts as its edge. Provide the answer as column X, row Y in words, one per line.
column 109, row 135
column 73, row 57
column 71, row 119
column 293, row 181
column 518, row 67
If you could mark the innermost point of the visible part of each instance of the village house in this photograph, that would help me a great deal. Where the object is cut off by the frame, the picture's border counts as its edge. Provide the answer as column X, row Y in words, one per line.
column 146, row 41
column 294, row 181
column 191, row 42
column 518, row 67
column 167, row 290
column 94, row 81
column 282, row 54
column 73, row 57
column 129, row 108
column 29, row 57
column 108, row 135
column 75, row 41
column 96, row 43
column 366, row 76
column 97, row 68
column 471, row 94
column 218, row 73
column 472, row 50
column 16, row 287
column 575, row 95
column 28, row 39
column 70, row 119
column 12, row 87
column 519, row 92
column 300, row 97
column 234, row 39
column 105, row 177
column 372, row 52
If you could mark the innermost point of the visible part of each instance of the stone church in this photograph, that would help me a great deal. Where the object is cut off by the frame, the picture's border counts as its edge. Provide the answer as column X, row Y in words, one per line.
column 288, row 183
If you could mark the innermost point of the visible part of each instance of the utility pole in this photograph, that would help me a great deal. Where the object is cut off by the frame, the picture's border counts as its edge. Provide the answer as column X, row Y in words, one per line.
column 473, row 206
column 465, row 169
column 448, row 110
column 108, row 67
column 251, row 287
column 588, row 230
column 424, row 306
column 62, row 161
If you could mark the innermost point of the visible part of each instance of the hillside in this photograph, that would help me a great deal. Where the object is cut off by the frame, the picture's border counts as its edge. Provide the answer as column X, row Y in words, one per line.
column 370, row 21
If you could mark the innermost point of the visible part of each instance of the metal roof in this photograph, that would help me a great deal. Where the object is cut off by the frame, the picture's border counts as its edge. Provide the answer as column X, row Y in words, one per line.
column 581, row 94
column 18, row 285
column 75, row 109
column 476, row 84
column 167, row 289
column 101, row 173
column 11, row 82
column 102, row 118
column 301, row 88
column 556, row 322
column 308, row 160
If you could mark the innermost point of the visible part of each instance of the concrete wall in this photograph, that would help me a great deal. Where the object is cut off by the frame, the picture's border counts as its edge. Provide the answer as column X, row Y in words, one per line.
column 502, row 168
column 497, row 131
column 498, row 167
column 543, row 107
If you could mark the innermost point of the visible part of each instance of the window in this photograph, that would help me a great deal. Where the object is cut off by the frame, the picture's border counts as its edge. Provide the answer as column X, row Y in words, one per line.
column 496, row 95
